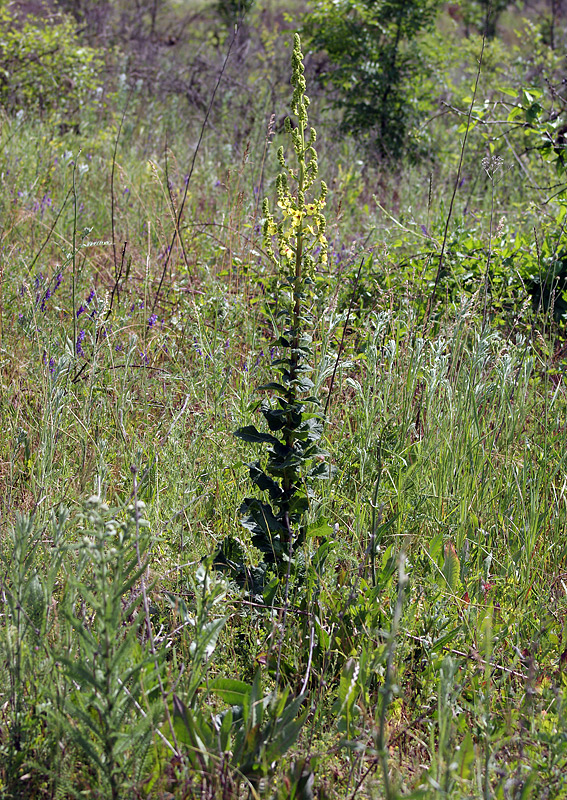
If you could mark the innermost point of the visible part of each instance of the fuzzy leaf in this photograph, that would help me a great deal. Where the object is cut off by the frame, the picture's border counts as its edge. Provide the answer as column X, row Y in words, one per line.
column 320, row 470
column 251, row 434
column 264, row 482
column 204, row 646
column 259, row 517
column 302, row 384
column 317, row 529
column 274, row 387
column 276, row 418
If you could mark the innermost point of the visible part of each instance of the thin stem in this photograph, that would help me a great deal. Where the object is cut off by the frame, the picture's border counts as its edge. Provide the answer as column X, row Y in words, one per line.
column 176, row 233
column 340, row 350
column 74, row 254
column 387, row 690
column 112, row 199
column 455, row 187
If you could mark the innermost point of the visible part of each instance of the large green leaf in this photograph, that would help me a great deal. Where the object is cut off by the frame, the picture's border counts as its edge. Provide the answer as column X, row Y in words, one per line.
column 230, row 690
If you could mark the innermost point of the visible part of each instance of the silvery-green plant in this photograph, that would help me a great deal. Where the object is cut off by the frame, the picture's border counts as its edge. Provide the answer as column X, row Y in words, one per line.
column 27, row 581
column 109, row 675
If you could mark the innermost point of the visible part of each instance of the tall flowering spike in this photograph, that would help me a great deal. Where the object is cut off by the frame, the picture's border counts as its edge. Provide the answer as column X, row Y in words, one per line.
column 296, row 243
column 299, row 100
column 300, row 233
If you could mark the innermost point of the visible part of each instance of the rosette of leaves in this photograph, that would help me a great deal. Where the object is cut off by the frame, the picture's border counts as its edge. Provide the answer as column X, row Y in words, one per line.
column 296, row 244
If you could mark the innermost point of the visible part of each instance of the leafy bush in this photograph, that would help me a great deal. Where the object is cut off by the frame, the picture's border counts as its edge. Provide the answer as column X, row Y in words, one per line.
column 374, row 66
column 43, row 66
column 482, row 15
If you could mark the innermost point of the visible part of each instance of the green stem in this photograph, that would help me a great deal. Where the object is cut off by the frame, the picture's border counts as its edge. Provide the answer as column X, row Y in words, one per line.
column 296, row 314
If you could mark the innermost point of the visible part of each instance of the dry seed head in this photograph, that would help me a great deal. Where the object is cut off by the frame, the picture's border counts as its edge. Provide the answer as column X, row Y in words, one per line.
column 492, row 164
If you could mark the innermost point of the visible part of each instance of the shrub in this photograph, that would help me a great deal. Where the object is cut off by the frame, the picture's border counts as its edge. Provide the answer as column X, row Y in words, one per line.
column 43, row 66
column 374, row 65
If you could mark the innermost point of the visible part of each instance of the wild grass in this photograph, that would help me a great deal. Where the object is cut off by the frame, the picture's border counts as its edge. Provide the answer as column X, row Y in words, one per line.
column 420, row 647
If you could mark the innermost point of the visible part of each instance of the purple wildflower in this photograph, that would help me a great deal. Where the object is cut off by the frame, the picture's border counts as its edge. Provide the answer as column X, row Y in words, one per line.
column 79, row 345
column 46, row 296
column 152, row 320
column 90, row 297
column 80, row 310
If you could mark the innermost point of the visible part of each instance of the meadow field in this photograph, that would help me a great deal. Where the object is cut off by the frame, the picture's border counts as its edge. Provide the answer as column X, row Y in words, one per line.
column 283, row 464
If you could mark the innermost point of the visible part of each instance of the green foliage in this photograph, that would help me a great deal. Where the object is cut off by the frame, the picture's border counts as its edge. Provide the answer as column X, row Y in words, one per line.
column 232, row 12
column 374, row 66
column 447, row 444
column 244, row 742
column 110, row 708
column 27, row 595
column 43, row 66
column 209, row 591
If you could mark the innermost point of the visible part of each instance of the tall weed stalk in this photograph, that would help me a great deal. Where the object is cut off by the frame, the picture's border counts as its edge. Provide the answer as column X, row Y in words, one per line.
column 296, row 244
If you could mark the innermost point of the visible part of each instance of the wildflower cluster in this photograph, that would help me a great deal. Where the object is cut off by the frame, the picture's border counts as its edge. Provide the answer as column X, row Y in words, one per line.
column 42, row 298
column 82, row 308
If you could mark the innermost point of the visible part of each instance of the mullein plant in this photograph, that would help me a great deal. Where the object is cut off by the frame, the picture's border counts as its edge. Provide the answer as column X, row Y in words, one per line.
column 295, row 241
